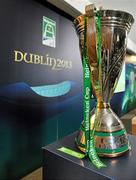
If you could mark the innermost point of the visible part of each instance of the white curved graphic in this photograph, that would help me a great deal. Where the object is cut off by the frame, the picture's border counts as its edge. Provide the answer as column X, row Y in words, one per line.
column 53, row 90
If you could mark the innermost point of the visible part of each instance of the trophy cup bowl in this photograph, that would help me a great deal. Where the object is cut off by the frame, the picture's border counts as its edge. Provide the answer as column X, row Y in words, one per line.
column 110, row 135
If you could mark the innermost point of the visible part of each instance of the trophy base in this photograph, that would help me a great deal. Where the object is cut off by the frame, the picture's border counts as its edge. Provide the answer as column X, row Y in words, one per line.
column 107, row 144
column 106, row 154
column 110, row 136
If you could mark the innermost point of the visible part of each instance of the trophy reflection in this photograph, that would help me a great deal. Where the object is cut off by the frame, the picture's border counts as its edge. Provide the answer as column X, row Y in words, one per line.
column 110, row 135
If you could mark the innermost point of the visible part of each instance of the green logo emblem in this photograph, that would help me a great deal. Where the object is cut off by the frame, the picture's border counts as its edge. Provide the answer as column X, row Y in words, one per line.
column 49, row 32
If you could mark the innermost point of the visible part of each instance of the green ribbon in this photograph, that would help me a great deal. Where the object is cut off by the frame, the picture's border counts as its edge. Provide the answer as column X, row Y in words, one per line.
column 86, row 91
column 71, row 152
column 89, row 134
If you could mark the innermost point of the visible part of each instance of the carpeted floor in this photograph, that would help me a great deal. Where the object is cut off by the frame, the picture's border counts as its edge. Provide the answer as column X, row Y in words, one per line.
column 35, row 175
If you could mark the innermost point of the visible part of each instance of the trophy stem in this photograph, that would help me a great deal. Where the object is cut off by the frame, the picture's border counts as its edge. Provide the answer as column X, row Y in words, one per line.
column 101, row 105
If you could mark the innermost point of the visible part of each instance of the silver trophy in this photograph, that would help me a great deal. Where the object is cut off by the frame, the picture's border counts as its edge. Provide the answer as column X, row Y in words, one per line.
column 110, row 135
